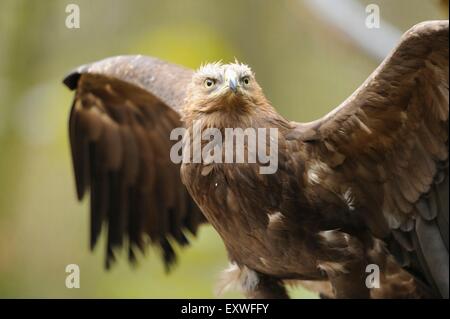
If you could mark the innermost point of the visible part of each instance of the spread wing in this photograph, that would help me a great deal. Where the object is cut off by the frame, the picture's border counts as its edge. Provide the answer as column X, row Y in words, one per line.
column 385, row 150
column 123, row 112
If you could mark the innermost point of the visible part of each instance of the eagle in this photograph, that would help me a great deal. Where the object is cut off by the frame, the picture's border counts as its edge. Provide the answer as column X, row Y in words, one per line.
column 367, row 184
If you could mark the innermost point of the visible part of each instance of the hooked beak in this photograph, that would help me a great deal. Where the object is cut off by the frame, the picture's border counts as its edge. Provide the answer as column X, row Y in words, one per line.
column 232, row 83
column 232, row 79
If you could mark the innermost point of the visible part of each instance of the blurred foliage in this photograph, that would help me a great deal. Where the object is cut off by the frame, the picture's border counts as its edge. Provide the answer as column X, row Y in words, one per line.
column 305, row 68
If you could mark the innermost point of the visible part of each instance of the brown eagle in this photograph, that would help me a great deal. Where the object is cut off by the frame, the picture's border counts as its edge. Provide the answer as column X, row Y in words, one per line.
column 365, row 185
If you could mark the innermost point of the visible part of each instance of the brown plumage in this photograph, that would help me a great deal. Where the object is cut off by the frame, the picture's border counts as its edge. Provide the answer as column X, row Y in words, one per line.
column 366, row 184
column 120, row 148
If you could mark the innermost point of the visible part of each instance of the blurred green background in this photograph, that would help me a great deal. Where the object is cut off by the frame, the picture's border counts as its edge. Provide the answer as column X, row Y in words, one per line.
column 305, row 67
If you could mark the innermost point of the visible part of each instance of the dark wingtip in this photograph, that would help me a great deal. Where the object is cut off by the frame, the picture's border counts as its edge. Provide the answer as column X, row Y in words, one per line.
column 93, row 241
column 110, row 258
column 80, row 193
column 169, row 255
column 71, row 80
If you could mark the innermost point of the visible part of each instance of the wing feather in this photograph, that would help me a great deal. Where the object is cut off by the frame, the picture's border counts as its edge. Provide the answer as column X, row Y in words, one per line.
column 396, row 124
column 119, row 128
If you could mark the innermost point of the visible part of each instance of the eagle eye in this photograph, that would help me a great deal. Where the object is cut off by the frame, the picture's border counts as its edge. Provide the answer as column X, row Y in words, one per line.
column 209, row 83
column 246, row 80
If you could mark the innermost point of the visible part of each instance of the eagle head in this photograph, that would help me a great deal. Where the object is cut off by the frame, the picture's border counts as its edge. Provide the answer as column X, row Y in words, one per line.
column 223, row 88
